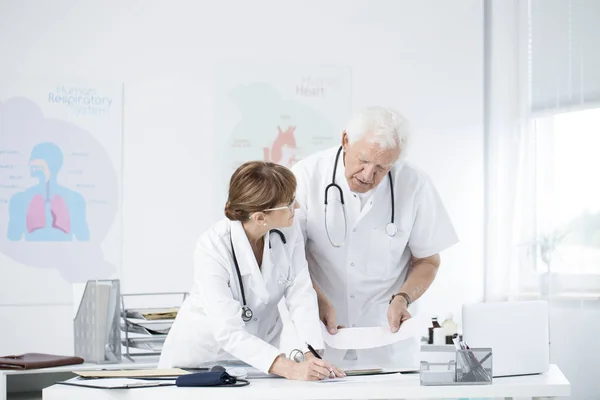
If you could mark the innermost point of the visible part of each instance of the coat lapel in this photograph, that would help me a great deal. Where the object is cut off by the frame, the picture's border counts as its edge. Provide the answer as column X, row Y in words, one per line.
column 251, row 273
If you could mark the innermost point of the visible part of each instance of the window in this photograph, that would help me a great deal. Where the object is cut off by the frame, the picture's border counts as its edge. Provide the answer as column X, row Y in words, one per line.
column 565, row 205
column 543, row 151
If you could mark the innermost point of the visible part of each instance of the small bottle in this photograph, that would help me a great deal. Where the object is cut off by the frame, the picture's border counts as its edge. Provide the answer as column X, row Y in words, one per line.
column 434, row 324
column 449, row 327
column 439, row 339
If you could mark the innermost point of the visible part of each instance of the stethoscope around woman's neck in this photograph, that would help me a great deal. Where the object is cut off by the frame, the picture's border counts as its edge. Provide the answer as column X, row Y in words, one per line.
column 390, row 228
column 247, row 313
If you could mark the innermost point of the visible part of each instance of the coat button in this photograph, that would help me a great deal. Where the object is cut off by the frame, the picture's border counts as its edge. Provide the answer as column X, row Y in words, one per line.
column 255, row 319
column 352, row 264
column 354, row 230
column 354, row 325
column 351, row 296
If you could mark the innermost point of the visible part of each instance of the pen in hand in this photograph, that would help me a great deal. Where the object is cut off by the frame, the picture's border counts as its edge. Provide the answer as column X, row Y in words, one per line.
column 314, row 353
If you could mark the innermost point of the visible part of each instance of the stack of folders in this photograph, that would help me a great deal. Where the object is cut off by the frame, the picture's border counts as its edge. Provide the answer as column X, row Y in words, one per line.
column 147, row 329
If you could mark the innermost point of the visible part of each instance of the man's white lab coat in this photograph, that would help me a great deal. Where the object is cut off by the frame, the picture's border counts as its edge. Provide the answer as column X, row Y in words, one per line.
column 360, row 277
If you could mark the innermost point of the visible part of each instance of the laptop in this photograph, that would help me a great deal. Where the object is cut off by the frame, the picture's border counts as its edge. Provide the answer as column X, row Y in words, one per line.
column 516, row 331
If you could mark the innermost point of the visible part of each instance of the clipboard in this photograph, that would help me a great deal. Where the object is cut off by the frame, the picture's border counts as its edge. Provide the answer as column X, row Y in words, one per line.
column 116, row 383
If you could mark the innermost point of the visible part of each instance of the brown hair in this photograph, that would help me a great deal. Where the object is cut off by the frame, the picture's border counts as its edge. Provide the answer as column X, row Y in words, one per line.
column 256, row 186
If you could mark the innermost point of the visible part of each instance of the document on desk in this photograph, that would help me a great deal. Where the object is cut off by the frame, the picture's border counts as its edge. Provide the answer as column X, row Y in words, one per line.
column 133, row 373
column 370, row 337
column 116, row 383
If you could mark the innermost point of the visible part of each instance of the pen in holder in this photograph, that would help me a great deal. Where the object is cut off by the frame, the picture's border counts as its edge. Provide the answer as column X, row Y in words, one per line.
column 474, row 366
column 470, row 367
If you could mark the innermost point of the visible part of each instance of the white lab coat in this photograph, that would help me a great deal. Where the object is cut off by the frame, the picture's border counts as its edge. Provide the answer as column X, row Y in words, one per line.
column 361, row 276
column 209, row 326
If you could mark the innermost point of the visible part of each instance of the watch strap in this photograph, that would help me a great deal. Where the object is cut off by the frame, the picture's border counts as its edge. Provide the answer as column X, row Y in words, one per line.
column 402, row 294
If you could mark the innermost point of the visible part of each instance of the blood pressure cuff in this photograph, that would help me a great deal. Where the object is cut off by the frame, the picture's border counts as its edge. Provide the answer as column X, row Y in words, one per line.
column 202, row 379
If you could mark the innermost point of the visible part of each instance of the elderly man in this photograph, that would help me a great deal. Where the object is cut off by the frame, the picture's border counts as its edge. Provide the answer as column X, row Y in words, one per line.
column 374, row 227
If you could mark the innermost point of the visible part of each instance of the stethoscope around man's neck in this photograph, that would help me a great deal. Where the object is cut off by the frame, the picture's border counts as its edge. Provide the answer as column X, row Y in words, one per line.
column 247, row 313
column 390, row 228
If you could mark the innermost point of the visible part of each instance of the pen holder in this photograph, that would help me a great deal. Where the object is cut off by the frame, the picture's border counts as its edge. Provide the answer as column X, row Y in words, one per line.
column 470, row 367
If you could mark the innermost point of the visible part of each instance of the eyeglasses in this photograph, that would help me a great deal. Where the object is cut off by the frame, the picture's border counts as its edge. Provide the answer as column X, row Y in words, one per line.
column 290, row 207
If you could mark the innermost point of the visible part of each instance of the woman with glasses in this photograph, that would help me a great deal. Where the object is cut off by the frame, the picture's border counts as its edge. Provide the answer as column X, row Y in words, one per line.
column 244, row 265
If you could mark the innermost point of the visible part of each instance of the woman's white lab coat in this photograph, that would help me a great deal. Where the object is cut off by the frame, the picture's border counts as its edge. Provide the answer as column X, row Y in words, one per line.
column 209, row 326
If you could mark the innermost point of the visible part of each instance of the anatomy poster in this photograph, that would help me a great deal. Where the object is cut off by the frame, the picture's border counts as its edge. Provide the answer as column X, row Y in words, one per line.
column 278, row 113
column 60, row 181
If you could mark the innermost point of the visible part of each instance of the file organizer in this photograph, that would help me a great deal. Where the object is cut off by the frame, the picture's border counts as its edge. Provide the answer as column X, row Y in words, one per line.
column 96, row 324
column 469, row 367
column 144, row 329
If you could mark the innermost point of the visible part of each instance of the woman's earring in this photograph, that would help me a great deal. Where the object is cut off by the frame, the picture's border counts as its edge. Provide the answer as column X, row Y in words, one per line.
column 265, row 224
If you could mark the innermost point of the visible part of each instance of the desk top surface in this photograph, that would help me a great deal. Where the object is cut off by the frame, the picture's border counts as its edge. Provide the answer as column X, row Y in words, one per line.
column 80, row 367
column 406, row 386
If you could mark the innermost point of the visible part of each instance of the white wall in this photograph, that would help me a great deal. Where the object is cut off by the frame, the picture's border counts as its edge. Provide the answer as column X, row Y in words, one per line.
column 425, row 58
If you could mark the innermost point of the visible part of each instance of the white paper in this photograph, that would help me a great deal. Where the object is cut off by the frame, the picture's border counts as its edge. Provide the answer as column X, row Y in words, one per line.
column 370, row 337
column 114, row 383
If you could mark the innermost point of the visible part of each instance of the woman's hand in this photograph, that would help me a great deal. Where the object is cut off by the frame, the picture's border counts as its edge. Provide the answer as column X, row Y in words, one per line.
column 313, row 369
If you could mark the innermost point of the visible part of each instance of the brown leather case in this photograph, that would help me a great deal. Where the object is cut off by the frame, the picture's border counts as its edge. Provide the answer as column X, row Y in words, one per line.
column 37, row 360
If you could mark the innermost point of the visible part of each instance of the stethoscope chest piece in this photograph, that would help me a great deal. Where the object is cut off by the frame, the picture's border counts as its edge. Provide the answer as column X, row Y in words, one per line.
column 391, row 229
column 246, row 314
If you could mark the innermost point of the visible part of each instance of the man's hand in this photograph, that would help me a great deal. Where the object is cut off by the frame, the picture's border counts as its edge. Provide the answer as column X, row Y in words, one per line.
column 397, row 313
column 327, row 315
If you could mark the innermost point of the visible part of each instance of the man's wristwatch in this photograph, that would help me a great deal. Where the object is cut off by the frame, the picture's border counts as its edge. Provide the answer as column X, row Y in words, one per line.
column 403, row 295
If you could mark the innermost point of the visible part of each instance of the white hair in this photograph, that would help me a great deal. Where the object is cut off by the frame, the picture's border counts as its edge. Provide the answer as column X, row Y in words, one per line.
column 385, row 126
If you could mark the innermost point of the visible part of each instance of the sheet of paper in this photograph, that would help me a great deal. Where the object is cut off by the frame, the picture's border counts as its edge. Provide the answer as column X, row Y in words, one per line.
column 370, row 337
column 117, row 383
column 139, row 373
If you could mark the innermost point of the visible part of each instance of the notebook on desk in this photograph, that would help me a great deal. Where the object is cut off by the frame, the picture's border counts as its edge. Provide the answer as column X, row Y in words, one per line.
column 37, row 360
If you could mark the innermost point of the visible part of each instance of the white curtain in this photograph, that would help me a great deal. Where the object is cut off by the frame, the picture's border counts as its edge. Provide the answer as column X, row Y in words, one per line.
column 508, row 146
column 542, row 121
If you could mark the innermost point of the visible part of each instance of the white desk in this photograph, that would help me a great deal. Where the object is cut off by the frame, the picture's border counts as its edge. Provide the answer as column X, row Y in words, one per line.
column 552, row 384
column 28, row 384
